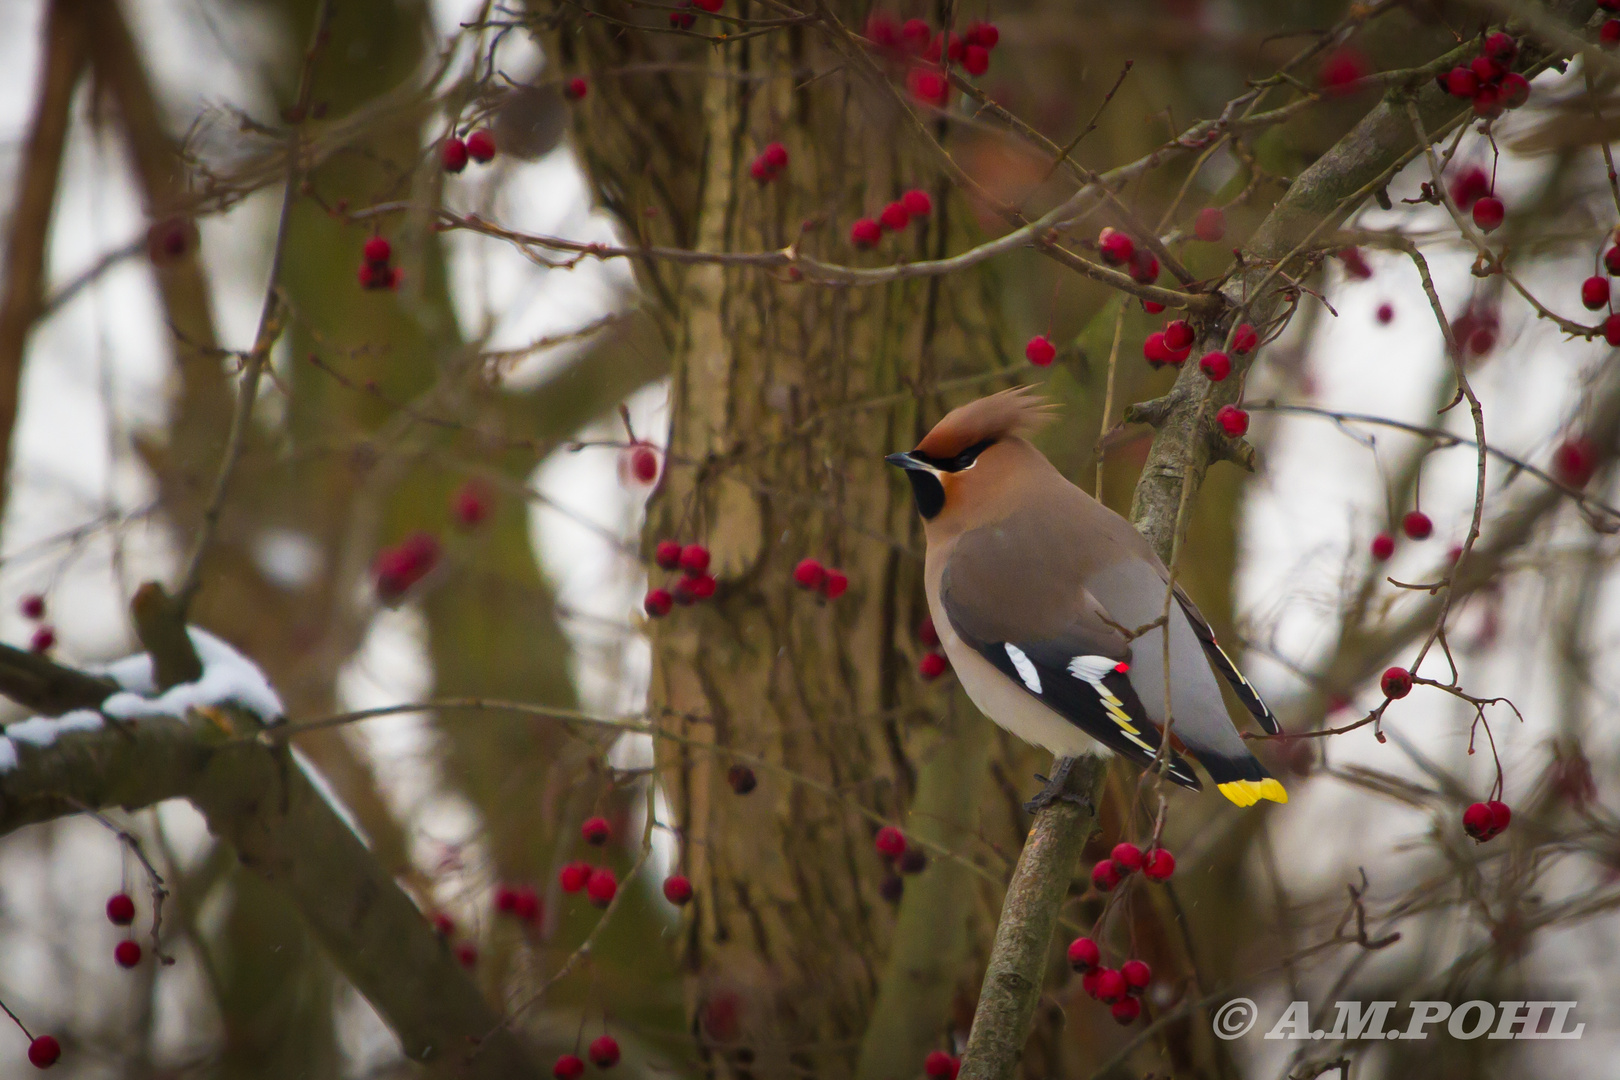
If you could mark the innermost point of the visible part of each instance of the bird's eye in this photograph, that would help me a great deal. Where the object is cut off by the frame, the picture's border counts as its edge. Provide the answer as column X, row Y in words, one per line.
column 967, row 458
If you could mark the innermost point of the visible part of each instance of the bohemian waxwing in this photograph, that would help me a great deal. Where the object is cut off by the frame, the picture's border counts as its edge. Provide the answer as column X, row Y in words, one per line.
column 1051, row 608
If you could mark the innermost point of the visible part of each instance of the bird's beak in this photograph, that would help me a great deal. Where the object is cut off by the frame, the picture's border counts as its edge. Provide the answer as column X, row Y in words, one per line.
column 905, row 461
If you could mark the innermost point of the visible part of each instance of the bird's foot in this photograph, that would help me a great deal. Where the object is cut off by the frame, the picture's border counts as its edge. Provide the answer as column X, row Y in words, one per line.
column 1053, row 791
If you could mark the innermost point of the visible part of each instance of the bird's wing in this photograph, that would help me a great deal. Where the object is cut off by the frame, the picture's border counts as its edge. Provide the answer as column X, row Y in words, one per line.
column 1053, row 640
column 1222, row 663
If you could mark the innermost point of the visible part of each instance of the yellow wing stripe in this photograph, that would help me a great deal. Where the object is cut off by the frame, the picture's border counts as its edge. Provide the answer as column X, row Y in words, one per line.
column 1249, row 792
column 1117, row 713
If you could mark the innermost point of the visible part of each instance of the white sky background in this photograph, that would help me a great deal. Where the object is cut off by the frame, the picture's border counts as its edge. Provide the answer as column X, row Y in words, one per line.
column 1317, row 505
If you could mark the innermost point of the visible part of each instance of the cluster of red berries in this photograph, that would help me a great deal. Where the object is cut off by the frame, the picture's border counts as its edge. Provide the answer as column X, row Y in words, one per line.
column 43, row 639
column 479, row 146
column 598, row 883
column 770, row 163
column 683, row 19
column 1414, row 523
column 399, row 567
column 1488, row 80
column 1156, row 864
column 376, row 269
column 933, row 663
column 901, row 858
column 915, row 45
column 1486, row 820
column 1595, row 294
column 812, row 576
column 695, row 584
column 121, row 912
column 603, row 1051
column 1120, row 988
column 914, row 205
column 521, row 902
column 939, row 1065
column 1118, row 249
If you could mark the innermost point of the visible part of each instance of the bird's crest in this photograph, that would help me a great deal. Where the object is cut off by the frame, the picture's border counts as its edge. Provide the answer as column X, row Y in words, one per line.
column 1018, row 411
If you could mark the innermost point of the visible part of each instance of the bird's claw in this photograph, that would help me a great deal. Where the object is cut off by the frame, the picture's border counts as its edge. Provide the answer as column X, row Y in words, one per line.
column 1053, row 791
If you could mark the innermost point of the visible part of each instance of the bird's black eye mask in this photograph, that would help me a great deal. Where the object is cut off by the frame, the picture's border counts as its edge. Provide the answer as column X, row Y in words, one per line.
column 961, row 461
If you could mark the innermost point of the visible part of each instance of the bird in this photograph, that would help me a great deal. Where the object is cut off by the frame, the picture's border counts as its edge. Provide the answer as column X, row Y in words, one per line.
column 1055, row 612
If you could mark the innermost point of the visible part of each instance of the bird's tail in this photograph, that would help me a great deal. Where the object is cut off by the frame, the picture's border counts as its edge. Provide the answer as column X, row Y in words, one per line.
column 1241, row 778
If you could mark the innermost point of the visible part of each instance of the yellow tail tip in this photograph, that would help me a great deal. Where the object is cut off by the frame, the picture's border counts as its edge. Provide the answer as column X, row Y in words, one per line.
column 1249, row 792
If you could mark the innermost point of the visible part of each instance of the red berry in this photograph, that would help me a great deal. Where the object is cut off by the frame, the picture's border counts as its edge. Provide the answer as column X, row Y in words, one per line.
column 1573, row 462
column 1470, row 186
column 1040, row 351
column 937, row 1065
column 809, row 574
column 927, row 633
column 1105, row 875
column 1126, row 1010
column 667, row 554
column 604, row 1051
column 1110, row 986
column 43, row 640
column 1343, row 70
column 573, row 877
column 372, row 277
column 466, row 954
column 1385, row 313
column 1488, row 70
column 1233, row 420
column 443, row 925
column 865, row 233
column 1396, row 682
column 120, row 909
column 127, row 954
column 658, row 602
column 568, row 1067
column 1158, row 865
column 1489, row 213
column 932, row 665
column 481, row 145
column 1611, row 263
column 33, row 605
column 526, row 904
column 1115, row 247
column 975, row 60
column 915, row 34
column 1461, row 82
column 596, row 831
column 378, row 251
column 895, row 216
column 642, row 464
column 505, row 899
column 1501, row 816
column 1488, row 102
column 929, row 87
column 710, row 6
column 1217, row 365
column 1210, row 224
column 1595, row 292
column 1478, row 822
column 1127, row 856
column 890, row 842
column 601, row 886
column 760, row 171
column 575, row 89
column 694, row 558
column 1501, row 47
column 1416, row 524
column 471, row 503
column 700, row 586
column 1383, row 546
column 1154, row 350
column 742, row 779
column 677, row 890
column 1515, row 90
column 1084, row 954
column 1611, row 330
column 775, row 156
column 917, row 203
column 682, row 20
column 44, row 1051
column 453, row 155
column 1144, row 267
column 1356, row 267
column 1137, row 974
column 1178, row 335
column 834, row 584
column 1244, row 339
column 983, row 34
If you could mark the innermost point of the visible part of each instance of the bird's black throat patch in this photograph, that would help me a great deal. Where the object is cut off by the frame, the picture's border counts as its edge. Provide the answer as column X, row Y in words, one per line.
column 929, row 492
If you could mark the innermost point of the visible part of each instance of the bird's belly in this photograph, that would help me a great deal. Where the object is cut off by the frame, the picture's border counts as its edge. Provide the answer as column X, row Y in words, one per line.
column 1003, row 701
